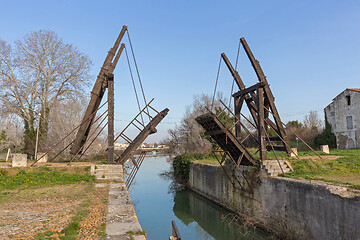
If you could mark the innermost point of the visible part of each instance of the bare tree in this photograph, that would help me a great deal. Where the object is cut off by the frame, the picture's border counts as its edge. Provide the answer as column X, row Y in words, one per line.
column 40, row 73
column 65, row 117
column 189, row 135
column 13, row 133
column 313, row 120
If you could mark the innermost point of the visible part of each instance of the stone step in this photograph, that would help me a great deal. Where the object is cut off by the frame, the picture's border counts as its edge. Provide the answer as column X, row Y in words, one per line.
column 108, row 174
column 273, row 174
column 108, row 171
column 108, row 178
column 270, row 162
column 275, row 166
column 272, row 170
column 108, row 167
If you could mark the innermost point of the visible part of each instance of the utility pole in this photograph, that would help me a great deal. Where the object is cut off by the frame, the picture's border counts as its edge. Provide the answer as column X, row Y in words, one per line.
column 37, row 138
column 15, row 137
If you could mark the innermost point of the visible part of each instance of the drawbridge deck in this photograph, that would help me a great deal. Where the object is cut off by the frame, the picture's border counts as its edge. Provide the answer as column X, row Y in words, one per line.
column 225, row 139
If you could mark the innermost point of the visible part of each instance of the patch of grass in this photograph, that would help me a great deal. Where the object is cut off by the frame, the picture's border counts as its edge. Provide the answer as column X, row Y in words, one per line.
column 44, row 235
column 3, row 172
column 204, row 158
column 142, row 232
column 42, row 177
column 102, row 231
column 139, row 232
column 71, row 231
column 343, row 170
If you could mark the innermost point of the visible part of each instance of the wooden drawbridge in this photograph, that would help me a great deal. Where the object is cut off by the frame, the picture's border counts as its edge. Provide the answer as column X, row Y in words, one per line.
column 215, row 128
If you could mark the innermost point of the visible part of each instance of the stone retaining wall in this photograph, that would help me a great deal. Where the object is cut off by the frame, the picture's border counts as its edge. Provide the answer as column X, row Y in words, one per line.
column 290, row 208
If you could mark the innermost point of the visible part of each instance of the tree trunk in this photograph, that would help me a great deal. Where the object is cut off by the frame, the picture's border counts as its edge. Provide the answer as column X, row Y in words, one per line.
column 29, row 136
column 44, row 127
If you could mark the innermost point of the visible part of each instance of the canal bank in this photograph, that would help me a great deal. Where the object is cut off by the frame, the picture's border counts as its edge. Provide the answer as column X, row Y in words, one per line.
column 290, row 208
column 121, row 220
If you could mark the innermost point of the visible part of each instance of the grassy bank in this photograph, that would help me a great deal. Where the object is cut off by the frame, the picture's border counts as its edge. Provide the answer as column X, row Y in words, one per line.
column 44, row 176
column 340, row 167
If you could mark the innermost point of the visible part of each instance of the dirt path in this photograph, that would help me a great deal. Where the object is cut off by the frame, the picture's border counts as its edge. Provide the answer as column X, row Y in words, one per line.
column 24, row 214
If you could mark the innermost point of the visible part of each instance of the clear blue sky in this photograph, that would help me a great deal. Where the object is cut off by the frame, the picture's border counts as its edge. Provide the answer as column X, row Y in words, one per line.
column 309, row 50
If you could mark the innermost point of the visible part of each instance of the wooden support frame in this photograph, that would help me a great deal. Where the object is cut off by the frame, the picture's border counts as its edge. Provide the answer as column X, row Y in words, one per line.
column 97, row 92
column 260, row 102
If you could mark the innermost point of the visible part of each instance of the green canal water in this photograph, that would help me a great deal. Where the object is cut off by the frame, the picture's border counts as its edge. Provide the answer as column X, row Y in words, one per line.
column 157, row 202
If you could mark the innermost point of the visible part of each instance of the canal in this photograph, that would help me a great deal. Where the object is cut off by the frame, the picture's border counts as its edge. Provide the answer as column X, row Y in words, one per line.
column 157, row 202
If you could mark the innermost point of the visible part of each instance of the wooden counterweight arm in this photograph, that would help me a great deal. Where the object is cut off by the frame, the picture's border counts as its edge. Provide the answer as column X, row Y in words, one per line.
column 241, row 86
column 97, row 93
column 270, row 100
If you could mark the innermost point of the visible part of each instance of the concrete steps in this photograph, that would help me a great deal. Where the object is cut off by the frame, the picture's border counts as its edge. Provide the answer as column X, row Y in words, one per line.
column 107, row 172
column 272, row 167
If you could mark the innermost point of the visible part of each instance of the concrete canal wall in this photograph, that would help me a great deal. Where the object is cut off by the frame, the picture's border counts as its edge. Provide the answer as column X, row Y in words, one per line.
column 290, row 208
column 121, row 220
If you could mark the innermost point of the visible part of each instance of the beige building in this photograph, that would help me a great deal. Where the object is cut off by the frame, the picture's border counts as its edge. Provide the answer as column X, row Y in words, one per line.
column 343, row 114
column 120, row 146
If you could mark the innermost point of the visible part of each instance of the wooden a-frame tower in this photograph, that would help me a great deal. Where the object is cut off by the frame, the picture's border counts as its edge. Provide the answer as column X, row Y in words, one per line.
column 261, row 104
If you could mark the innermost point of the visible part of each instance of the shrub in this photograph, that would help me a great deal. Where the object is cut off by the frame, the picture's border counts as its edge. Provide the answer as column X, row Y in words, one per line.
column 326, row 137
column 181, row 165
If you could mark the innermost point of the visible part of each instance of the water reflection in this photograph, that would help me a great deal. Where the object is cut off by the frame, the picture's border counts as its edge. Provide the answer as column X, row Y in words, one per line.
column 190, row 207
column 158, row 201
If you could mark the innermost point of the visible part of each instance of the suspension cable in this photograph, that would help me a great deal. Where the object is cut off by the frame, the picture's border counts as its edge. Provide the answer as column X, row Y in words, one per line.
column 68, row 134
column 137, row 71
column 73, row 157
column 133, row 82
column 92, row 141
column 216, row 83
column 236, row 63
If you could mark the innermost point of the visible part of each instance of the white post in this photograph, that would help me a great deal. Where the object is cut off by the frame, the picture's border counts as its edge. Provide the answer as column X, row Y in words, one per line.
column 15, row 137
column 37, row 138
column 7, row 156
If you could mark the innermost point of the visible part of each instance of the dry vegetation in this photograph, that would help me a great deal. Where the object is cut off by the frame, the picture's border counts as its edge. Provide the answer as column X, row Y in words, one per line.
column 72, row 208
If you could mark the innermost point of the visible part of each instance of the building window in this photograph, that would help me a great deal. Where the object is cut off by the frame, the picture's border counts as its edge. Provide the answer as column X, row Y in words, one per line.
column 332, row 114
column 348, row 100
column 349, row 122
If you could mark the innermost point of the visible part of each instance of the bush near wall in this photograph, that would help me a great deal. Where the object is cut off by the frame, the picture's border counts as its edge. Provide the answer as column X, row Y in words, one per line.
column 181, row 164
column 326, row 137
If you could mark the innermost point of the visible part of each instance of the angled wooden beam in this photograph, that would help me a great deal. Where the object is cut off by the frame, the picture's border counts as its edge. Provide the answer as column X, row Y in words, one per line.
column 97, row 93
column 248, row 90
column 240, row 84
column 268, row 94
column 111, row 104
column 261, row 129
column 140, row 138
column 238, row 102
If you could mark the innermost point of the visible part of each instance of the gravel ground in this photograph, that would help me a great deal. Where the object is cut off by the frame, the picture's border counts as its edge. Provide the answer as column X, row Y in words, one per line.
column 26, row 213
